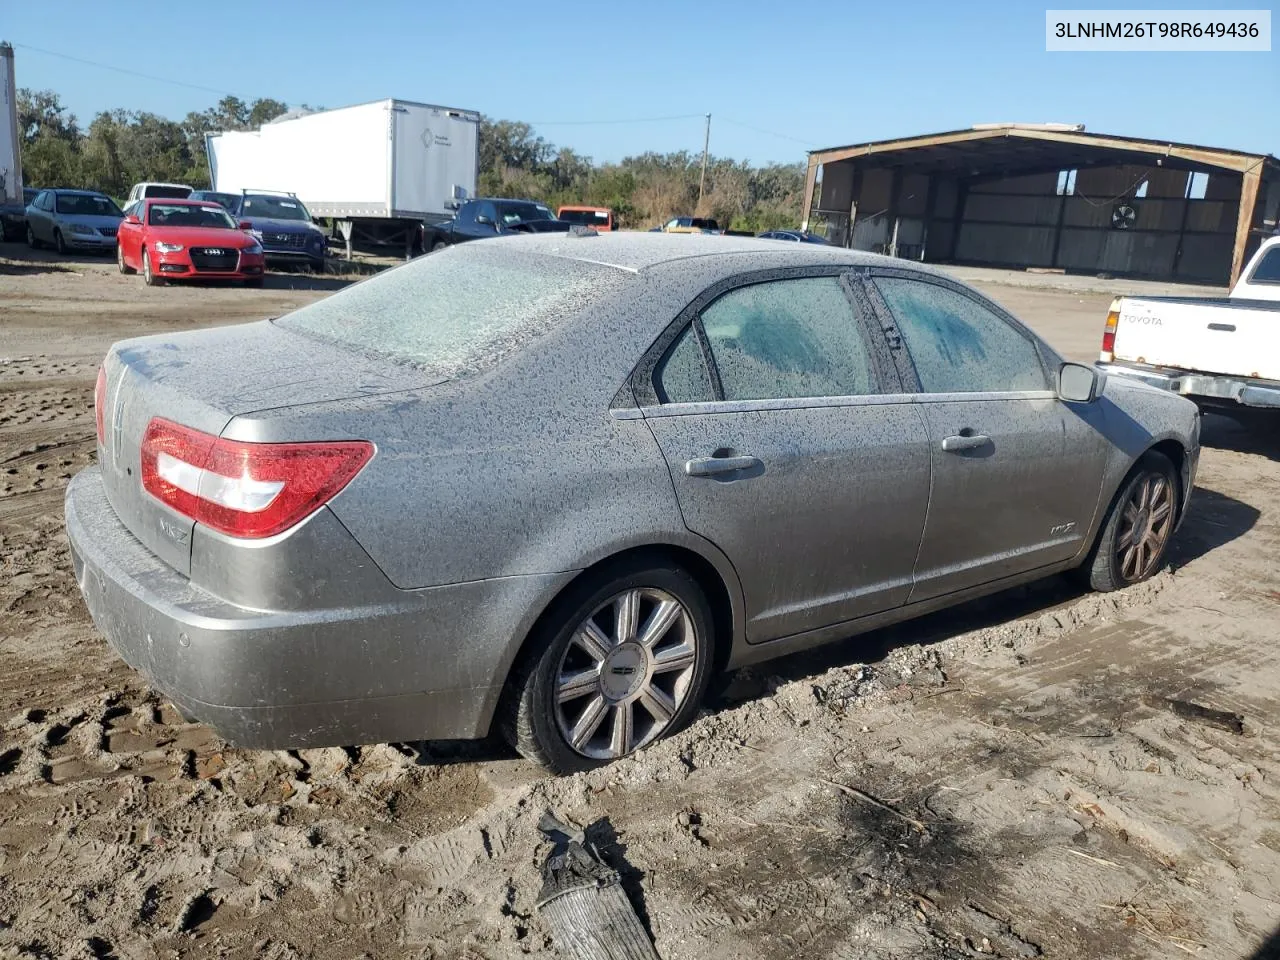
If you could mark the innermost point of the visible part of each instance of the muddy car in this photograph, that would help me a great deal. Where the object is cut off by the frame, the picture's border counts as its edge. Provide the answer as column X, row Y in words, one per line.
column 552, row 483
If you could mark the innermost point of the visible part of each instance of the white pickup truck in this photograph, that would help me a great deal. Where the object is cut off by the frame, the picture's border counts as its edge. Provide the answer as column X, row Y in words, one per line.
column 1217, row 352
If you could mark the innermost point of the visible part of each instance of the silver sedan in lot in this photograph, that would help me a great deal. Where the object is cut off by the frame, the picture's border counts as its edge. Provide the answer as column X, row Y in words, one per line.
column 73, row 219
column 550, row 484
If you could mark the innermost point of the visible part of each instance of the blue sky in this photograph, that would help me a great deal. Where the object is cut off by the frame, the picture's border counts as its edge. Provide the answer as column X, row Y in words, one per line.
column 802, row 75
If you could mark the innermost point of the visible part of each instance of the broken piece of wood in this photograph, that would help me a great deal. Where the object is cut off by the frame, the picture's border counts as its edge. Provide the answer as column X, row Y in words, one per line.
column 868, row 799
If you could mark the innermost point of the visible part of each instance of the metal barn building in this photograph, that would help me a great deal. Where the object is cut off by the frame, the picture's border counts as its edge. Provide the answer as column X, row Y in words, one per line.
column 1049, row 196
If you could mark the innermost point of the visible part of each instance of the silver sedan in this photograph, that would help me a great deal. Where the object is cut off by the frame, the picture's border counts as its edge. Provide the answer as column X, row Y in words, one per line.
column 73, row 220
column 550, row 484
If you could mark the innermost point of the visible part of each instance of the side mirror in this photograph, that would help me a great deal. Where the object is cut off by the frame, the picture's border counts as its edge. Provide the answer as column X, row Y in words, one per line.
column 1078, row 383
column 481, row 218
column 246, row 225
column 133, row 219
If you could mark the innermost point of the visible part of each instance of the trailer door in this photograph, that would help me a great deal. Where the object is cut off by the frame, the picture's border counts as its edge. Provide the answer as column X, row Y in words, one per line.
column 434, row 151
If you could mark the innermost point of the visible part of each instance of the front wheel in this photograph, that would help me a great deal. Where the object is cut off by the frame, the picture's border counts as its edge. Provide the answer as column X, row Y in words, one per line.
column 32, row 240
column 622, row 661
column 438, row 246
column 1135, row 536
column 58, row 243
column 148, row 275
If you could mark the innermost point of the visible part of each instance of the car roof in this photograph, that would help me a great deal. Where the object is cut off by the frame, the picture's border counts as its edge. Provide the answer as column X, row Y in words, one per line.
column 640, row 251
column 76, row 192
column 161, row 183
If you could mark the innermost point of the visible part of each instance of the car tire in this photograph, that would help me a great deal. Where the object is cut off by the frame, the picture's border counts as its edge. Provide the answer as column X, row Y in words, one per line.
column 1147, row 503
column 32, row 241
column 120, row 264
column 438, row 246
column 58, row 243
column 627, row 693
column 148, row 275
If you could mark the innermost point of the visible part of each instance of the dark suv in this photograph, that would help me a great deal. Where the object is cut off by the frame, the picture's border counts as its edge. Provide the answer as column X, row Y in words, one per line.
column 280, row 223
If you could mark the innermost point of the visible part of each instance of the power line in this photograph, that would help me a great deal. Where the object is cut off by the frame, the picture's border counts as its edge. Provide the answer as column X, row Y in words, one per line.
column 133, row 73
column 590, row 123
column 770, row 133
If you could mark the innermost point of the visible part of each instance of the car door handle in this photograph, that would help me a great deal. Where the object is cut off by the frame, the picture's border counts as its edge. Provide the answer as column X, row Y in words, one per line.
column 965, row 441
column 712, row 466
column 1226, row 327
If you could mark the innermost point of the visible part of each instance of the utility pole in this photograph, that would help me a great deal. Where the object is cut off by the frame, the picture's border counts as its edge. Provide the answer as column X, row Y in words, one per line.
column 706, row 143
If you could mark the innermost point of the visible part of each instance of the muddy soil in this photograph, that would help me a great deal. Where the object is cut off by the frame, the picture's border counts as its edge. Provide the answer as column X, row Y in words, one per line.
column 1017, row 783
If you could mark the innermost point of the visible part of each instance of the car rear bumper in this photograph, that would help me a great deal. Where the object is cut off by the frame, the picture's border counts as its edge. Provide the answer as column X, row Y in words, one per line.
column 1209, row 387
column 427, row 664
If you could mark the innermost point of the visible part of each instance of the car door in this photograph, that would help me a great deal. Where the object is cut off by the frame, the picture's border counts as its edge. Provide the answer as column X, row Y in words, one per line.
column 791, row 448
column 130, row 236
column 1016, row 471
column 38, row 217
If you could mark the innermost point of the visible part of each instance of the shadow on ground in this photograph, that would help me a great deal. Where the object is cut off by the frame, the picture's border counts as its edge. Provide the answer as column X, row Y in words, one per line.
column 1244, row 431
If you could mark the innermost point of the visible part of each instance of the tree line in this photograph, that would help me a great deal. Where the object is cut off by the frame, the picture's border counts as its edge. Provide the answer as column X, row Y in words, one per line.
column 123, row 147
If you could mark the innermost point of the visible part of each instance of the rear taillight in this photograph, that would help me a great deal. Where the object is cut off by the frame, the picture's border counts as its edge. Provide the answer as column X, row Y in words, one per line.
column 1109, row 332
column 246, row 490
column 100, row 405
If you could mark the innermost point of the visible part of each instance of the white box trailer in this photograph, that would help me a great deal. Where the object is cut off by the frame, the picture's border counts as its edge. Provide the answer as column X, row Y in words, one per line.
column 12, row 207
column 378, row 170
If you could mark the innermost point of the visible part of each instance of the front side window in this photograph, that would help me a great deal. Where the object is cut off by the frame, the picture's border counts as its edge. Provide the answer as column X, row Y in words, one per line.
column 682, row 375
column 957, row 344
column 788, row 339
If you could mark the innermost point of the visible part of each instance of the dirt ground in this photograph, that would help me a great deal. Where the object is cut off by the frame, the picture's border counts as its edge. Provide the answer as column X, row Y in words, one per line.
column 1037, row 796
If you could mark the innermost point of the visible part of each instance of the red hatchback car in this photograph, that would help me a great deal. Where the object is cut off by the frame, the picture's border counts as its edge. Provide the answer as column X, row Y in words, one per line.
column 187, row 240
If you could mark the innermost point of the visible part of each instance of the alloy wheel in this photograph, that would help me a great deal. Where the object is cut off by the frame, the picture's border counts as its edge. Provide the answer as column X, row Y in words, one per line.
column 626, row 673
column 1146, row 521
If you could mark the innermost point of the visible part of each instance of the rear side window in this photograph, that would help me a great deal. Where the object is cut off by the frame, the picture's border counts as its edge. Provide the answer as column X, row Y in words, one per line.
column 458, row 311
column 958, row 345
column 682, row 375
column 787, row 339
column 1268, row 268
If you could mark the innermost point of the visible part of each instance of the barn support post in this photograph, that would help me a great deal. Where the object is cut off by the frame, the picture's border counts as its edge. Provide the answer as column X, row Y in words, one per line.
column 1057, row 229
column 1244, row 220
column 854, row 191
column 895, row 188
column 810, row 178
column 1182, row 234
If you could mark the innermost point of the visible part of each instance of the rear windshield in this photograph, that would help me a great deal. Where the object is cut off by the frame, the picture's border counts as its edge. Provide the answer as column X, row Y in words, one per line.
column 592, row 218
column 227, row 201
column 167, row 193
column 87, row 206
column 699, row 224
column 1268, row 268
column 457, row 311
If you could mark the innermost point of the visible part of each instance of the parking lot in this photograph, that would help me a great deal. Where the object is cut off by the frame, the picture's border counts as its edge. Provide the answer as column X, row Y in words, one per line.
column 1027, row 775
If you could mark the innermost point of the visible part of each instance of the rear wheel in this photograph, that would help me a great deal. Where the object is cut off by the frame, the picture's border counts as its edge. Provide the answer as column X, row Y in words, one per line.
column 32, row 240
column 120, row 264
column 438, row 246
column 623, row 660
column 148, row 275
column 1135, row 536
column 58, row 242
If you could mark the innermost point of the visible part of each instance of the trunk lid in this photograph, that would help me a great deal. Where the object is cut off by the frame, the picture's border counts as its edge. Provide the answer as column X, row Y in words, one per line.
column 1239, row 339
column 203, row 379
